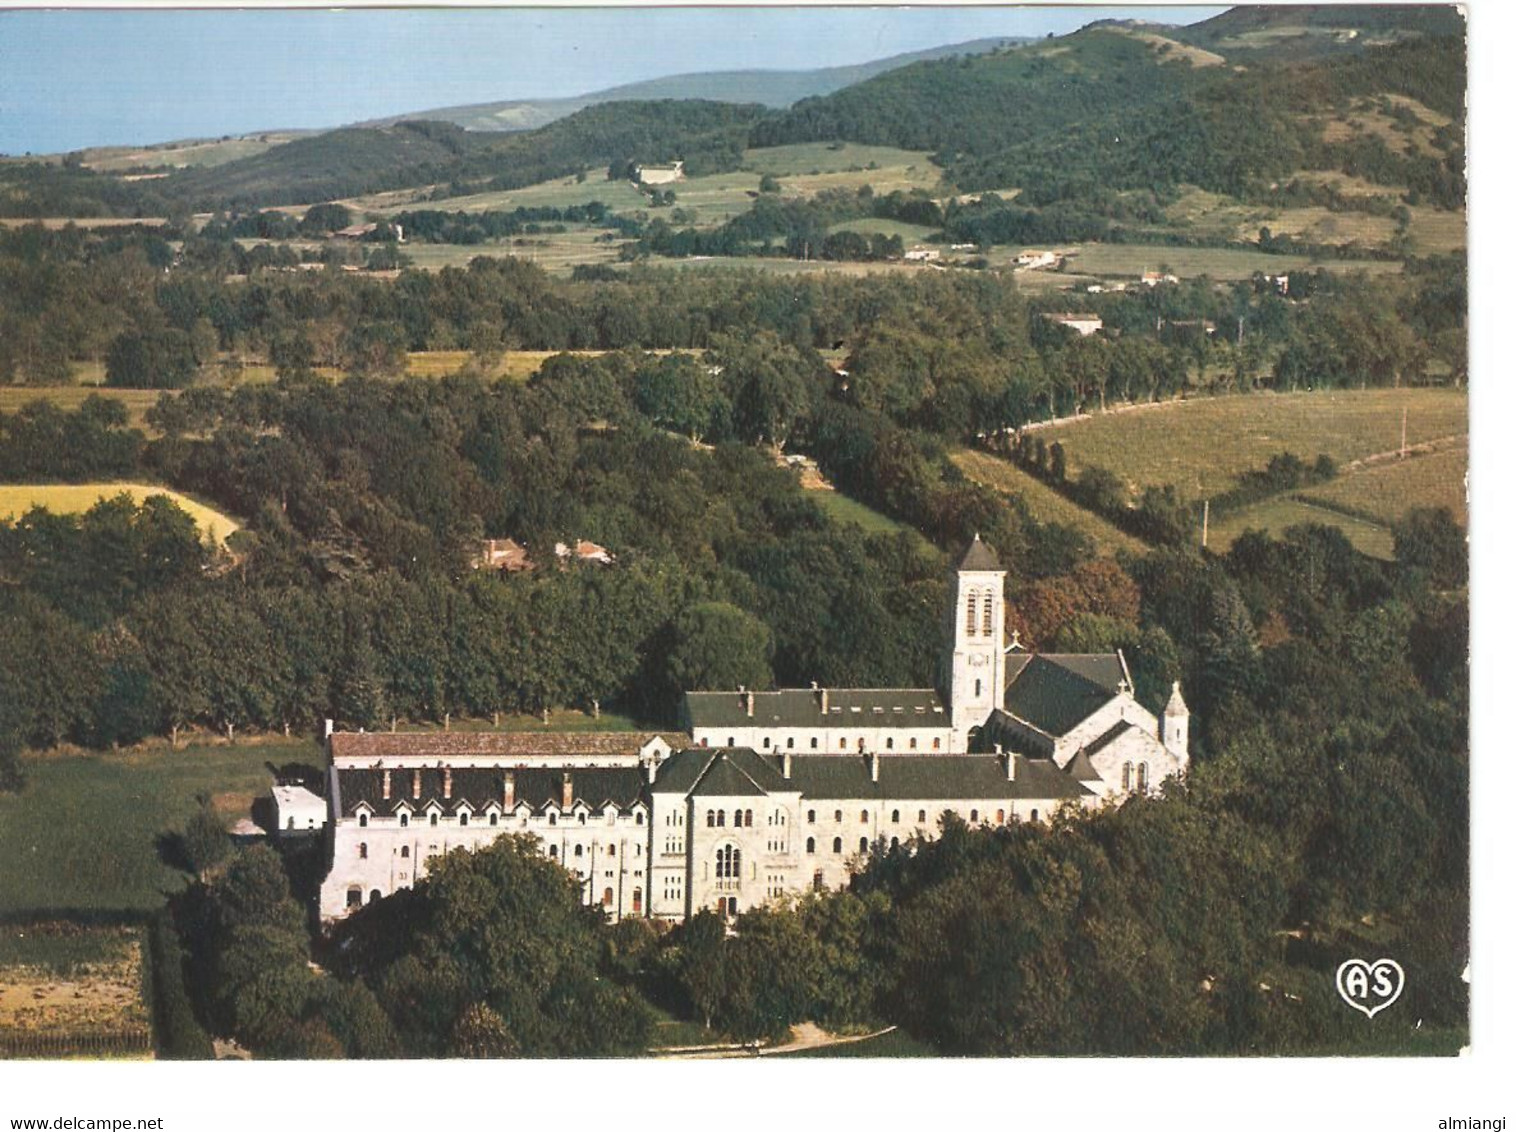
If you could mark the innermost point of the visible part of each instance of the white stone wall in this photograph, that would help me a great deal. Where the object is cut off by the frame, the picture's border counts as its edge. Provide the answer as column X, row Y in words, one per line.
column 607, row 851
column 1139, row 750
column 768, row 861
column 976, row 666
column 1121, row 707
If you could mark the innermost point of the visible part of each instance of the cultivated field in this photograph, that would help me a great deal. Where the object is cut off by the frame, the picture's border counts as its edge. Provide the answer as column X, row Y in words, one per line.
column 1201, row 445
column 1275, row 516
column 71, row 990
column 557, row 252
column 1045, row 504
column 70, row 397
column 85, row 834
column 1131, row 260
column 70, row 499
column 1386, row 491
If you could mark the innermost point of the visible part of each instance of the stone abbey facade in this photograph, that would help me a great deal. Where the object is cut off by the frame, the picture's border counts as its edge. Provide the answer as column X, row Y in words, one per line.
column 765, row 793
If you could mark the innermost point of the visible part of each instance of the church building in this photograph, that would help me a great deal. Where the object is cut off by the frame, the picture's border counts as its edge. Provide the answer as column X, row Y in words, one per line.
column 768, row 793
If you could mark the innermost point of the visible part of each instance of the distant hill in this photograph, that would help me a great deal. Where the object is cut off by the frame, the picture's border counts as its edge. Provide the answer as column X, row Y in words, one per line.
column 1299, row 32
column 1118, row 107
column 709, row 136
column 774, row 89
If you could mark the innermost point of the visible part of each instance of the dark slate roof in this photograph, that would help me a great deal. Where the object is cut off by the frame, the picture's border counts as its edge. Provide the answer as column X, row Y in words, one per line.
column 741, row 771
column 931, row 776
column 1081, row 769
column 1103, row 668
column 979, row 557
column 479, row 786
column 801, row 707
column 1053, row 694
column 1108, row 738
column 719, row 772
column 505, row 745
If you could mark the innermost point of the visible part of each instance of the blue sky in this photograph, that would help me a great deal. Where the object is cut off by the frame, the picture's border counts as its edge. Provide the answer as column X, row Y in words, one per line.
column 77, row 78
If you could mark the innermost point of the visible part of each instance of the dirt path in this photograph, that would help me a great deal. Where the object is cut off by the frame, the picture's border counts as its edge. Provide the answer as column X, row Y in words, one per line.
column 807, row 1035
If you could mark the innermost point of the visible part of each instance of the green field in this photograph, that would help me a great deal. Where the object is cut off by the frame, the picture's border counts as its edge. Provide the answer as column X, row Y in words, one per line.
column 82, row 836
column 1201, row 445
column 70, row 397
column 870, row 225
column 1131, row 260
column 848, row 511
column 1045, row 504
column 831, row 157
column 1386, row 491
column 1275, row 516
column 69, row 499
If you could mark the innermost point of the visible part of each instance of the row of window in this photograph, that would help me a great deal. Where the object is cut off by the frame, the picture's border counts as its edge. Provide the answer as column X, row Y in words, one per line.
column 1142, row 776
column 463, row 819
column 740, row 818
column 789, row 744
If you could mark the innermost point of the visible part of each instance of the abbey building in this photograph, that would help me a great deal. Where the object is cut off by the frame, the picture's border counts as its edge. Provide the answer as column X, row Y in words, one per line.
column 765, row 793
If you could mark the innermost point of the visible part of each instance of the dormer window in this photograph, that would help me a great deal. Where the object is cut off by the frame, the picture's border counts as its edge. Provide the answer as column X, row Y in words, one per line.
column 405, row 820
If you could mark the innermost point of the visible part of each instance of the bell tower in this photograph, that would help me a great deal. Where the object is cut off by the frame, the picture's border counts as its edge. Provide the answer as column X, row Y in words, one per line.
column 974, row 665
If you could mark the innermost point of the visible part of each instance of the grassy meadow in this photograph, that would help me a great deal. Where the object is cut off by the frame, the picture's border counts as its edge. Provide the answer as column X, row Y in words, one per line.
column 1201, row 445
column 1386, row 491
column 1275, row 516
column 82, row 837
column 65, row 983
column 69, row 499
column 1131, row 260
column 1045, row 504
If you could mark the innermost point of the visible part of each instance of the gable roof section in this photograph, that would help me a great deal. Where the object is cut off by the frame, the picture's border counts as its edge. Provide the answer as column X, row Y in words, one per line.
column 431, row 746
column 979, row 557
column 801, row 707
column 1053, row 693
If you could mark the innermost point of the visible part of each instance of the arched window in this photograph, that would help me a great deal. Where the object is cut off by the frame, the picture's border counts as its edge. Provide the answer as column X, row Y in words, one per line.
column 728, row 863
column 463, row 819
column 731, row 740
column 864, row 817
column 921, row 816
column 810, row 816
column 818, row 882
column 434, row 817
column 1034, row 815
column 937, row 744
column 552, row 819
column 969, row 622
column 552, row 851
column 1142, row 776
column 989, row 607
column 405, row 851
column 639, row 817
column 290, row 824
column 710, row 818
column 814, row 742
column 1126, row 776
column 581, row 818
column 999, row 817
column 894, row 844
column 362, row 820
column 355, row 897
column 606, row 897
column 789, row 744
column 913, row 744
column 863, row 845
column 765, row 742
column 494, row 818
column 973, row 815
column 363, row 850
column 747, row 819
column 894, row 815
column 810, row 844
column 889, row 744
column 636, row 901
column 374, row 895
column 836, row 845
column 978, row 688
column 721, row 818
column 578, row 850
column 405, row 820
column 837, row 816
column 610, row 850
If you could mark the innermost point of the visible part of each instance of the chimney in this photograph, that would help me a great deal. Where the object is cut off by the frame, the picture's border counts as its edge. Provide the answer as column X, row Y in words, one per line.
column 509, row 793
column 386, row 784
column 416, row 783
column 824, row 697
column 447, row 782
column 1010, row 762
column 873, row 758
column 750, row 705
column 568, row 790
column 327, row 727
column 787, row 765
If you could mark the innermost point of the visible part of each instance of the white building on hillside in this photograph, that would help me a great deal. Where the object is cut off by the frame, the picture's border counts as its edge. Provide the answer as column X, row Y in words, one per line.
column 771, row 793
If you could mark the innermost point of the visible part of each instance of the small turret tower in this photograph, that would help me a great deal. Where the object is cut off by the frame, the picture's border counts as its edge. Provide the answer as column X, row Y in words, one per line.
column 974, row 665
column 1174, row 728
